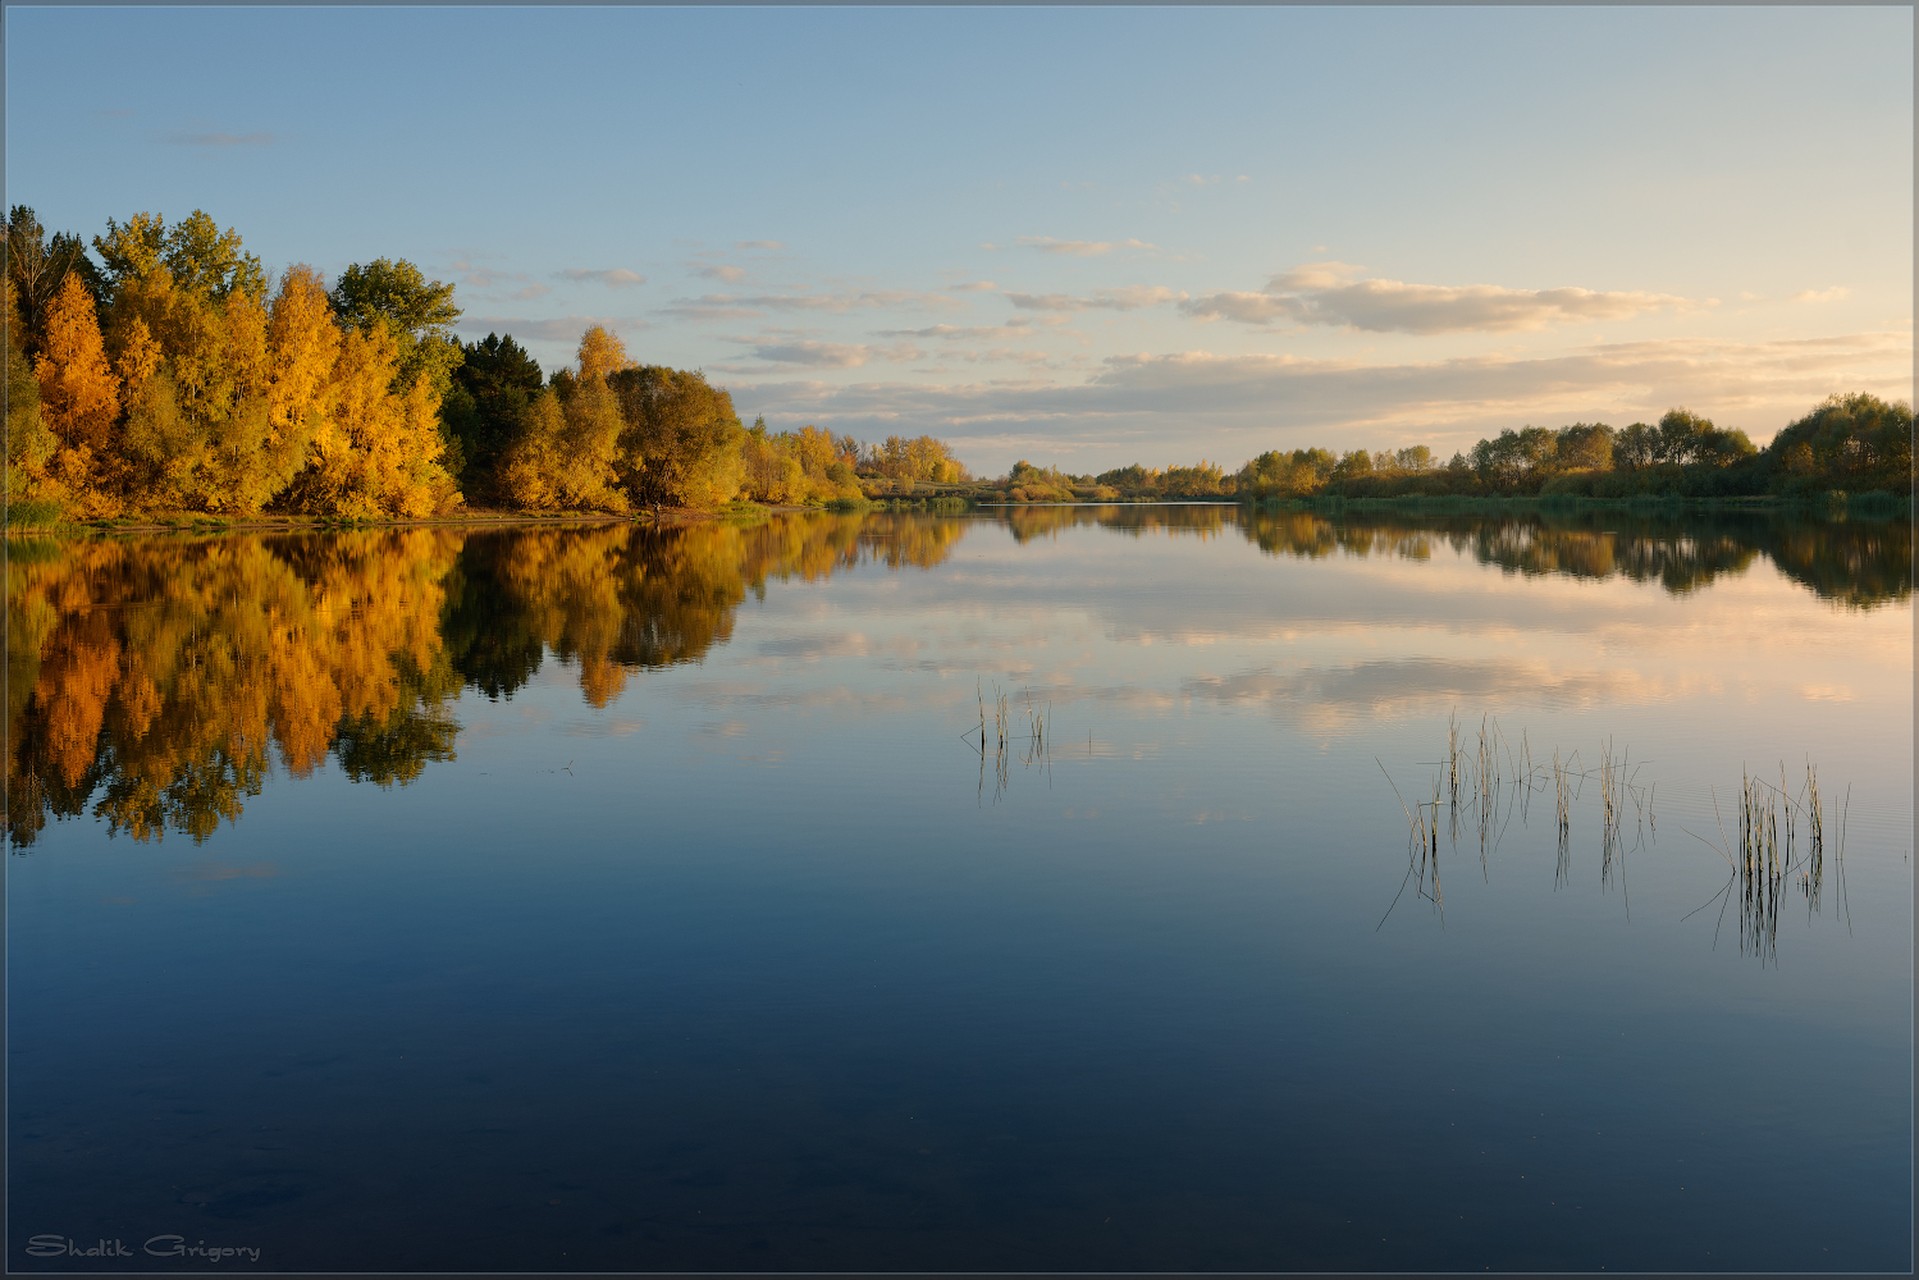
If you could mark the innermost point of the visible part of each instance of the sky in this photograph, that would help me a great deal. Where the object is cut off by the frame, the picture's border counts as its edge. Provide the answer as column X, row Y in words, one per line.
column 1082, row 236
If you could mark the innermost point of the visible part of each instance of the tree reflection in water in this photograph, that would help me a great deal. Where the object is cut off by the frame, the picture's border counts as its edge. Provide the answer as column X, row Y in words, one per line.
column 154, row 682
column 1858, row 563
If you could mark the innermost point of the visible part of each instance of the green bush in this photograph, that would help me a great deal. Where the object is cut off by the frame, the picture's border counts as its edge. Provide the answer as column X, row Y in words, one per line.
column 33, row 513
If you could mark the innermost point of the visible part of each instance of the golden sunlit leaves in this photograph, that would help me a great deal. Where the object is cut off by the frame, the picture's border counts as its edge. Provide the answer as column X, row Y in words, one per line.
column 601, row 355
column 79, row 395
column 217, row 399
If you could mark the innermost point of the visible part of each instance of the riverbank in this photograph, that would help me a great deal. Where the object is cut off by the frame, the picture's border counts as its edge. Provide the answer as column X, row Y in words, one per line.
column 201, row 522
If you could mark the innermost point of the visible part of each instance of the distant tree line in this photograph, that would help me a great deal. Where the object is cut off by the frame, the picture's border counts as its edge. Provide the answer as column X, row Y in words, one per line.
column 164, row 371
column 1853, row 443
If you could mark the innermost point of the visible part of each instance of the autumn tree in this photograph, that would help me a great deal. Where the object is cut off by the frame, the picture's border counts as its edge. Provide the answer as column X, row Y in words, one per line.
column 686, row 434
column 1635, row 446
column 198, row 256
column 770, row 473
column 303, row 349
column 1585, row 446
column 160, row 444
column 1854, row 442
column 36, row 269
column 568, row 451
column 593, row 451
column 529, row 473
column 187, row 323
column 30, row 445
column 79, row 396
column 1299, row 473
column 375, row 451
column 419, row 313
column 1206, row 480
column 79, row 400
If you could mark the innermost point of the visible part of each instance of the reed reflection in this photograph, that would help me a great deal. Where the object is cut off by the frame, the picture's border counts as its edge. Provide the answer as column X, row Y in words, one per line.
column 1488, row 785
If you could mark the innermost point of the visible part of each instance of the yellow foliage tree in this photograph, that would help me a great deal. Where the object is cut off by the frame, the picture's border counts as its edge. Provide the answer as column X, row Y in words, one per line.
column 568, row 453
column 79, row 398
column 532, row 461
column 602, row 354
column 302, row 347
column 374, row 452
column 30, row 446
column 590, row 446
column 161, row 450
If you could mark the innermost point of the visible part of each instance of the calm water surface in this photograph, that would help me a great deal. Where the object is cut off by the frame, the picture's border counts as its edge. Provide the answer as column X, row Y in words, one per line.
column 631, row 900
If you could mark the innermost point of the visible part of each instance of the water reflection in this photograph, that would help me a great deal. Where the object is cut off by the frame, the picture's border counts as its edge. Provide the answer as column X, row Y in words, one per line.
column 1780, row 839
column 158, row 675
column 1859, row 564
column 1027, row 523
column 152, row 682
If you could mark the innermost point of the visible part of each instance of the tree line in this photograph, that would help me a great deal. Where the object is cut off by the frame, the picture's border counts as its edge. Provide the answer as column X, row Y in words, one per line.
column 161, row 369
column 1853, row 443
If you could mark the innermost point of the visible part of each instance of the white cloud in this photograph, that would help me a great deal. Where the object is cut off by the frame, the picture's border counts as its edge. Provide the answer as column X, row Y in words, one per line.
column 611, row 277
column 1407, row 685
column 475, row 276
column 771, row 246
column 479, row 277
column 1247, row 308
column 549, row 328
column 833, row 355
column 1833, row 294
column 735, row 305
column 1078, row 248
column 721, row 271
column 1130, row 298
column 1224, row 403
column 830, row 355
column 1018, row 325
column 974, row 286
column 1335, row 294
column 709, row 308
column 187, row 139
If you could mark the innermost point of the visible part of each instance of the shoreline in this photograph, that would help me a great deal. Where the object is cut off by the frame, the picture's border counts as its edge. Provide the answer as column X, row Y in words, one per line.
column 1866, row 506
column 204, row 523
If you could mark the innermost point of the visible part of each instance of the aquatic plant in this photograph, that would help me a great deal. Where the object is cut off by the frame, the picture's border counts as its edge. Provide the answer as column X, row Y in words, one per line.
column 999, row 743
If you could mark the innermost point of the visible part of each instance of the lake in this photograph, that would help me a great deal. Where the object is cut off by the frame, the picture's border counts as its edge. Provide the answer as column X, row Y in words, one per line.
column 1064, row 888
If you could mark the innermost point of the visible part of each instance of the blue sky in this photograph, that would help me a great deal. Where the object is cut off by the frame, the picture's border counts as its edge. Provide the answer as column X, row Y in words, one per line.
column 1083, row 236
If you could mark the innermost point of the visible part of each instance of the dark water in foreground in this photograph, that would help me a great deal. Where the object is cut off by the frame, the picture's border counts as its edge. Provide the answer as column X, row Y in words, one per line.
column 617, row 900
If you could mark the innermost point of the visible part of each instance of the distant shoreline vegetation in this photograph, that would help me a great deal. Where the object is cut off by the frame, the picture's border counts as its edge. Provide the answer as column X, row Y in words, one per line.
column 164, row 375
column 1852, row 450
